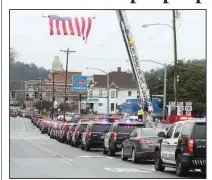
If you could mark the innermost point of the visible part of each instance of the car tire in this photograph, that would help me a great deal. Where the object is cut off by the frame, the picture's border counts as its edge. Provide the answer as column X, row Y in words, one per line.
column 134, row 158
column 72, row 144
column 42, row 132
column 82, row 147
column 124, row 158
column 104, row 151
column 111, row 152
column 158, row 163
column 180, row 169
column 87, row 148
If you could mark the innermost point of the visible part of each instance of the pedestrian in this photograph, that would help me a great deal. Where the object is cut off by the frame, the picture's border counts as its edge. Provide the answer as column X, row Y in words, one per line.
column 140, row 114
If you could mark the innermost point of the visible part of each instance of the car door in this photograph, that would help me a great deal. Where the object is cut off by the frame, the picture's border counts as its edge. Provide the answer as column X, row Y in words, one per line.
column 131, row 141
column 107, row 136
column 165, row 145
column 174, row 141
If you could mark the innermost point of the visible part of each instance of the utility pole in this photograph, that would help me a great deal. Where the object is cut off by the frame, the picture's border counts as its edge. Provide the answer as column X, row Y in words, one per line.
column 53, row 97
column 41, row 101
column 67, row 54
column 175, row 56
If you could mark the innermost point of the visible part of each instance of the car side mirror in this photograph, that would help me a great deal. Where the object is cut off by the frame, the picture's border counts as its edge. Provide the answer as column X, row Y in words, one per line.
column 161, row 134
column 167, row 128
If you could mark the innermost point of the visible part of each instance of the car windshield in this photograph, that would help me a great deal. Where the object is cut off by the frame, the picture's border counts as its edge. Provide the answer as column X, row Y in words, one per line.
column 100, row 127
column 128, row 128
column 151, row 132
column 82, row 127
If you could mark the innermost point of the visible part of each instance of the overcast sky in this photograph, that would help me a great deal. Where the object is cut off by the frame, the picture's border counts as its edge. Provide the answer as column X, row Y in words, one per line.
column 105, row 47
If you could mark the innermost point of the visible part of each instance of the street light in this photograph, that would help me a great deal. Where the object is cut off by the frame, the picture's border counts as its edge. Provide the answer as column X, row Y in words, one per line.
column 156, row 24
column 108, row 87
column 173, row 27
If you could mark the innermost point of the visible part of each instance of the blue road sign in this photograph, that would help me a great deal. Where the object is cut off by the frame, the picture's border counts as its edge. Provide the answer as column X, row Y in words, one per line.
column 79, row 83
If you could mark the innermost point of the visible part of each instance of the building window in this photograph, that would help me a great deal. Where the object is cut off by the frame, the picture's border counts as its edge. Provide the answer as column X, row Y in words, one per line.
column 100, row 93
column 100, row 104
column 129, row 93
column 113, row 94
column 116, row 106
column 112, row 106
column 116, row 94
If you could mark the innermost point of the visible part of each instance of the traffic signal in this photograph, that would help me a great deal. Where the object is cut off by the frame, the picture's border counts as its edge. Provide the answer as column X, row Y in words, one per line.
column 27, row 96
column 66, row 98
column 41, row 97
column 80, row 96
column 178, row 78
column 13, row 94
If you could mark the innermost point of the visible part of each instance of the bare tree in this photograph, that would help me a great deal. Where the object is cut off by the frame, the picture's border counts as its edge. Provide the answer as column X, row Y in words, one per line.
column 13, row 55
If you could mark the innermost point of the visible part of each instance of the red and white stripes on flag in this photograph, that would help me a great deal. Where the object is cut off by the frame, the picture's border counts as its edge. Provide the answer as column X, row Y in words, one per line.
column 70, row 26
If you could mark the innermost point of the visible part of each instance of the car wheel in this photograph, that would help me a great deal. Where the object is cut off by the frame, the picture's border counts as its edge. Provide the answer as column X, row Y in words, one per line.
column 87, row 148
column 134, row 158
column 158, row 162
column 104, row 151
column 42, row 132
column 82, row 147
column 180, row 169
column 124, row 158
column 111, row 152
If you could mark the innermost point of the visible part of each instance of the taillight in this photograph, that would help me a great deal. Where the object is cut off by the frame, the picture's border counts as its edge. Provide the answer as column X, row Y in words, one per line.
column 78, row 133
column 115, row 136
column 89, row 135
column 190, row 146
column 146, row 141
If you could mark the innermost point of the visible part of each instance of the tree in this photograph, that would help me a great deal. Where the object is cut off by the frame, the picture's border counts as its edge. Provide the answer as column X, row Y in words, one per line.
column 13, row 55
column 20, row 72
column 45, row 105
column 61, row 107
column 191, row 85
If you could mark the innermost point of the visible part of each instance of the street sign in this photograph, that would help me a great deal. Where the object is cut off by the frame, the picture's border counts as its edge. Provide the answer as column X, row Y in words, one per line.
column 179, row 103
column 172, row 103
column 79, row 83
column 188, row 113
column 188, row 108
column 92, row 100
column 188, row 103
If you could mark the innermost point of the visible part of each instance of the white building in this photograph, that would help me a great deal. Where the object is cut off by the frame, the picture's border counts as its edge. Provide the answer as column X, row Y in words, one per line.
column 122, row 87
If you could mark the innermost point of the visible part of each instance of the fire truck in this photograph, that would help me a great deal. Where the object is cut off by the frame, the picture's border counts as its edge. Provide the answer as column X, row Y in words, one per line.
column 143, row 91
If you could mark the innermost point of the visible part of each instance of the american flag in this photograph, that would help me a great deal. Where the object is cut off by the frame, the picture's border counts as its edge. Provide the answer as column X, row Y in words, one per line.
column 70, row 26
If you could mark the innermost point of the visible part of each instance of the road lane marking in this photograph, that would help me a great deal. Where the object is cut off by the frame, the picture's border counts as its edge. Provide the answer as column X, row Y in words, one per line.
column 58, row 155
column 95, row 157
column 120, row 170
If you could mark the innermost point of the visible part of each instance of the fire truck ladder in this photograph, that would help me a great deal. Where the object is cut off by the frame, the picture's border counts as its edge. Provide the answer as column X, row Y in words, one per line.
column 134, row 59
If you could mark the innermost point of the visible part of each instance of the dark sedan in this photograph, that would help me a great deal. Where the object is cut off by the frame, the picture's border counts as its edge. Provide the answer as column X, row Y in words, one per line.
column 141, row 144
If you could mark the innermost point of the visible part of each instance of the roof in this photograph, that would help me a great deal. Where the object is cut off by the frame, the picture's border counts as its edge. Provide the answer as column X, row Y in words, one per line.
column 121, row 79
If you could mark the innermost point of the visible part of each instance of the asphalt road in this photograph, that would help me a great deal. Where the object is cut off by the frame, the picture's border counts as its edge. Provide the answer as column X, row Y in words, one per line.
column 35, row 155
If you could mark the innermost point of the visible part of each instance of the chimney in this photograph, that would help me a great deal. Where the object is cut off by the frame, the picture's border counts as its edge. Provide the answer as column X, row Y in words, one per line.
column 119, row 69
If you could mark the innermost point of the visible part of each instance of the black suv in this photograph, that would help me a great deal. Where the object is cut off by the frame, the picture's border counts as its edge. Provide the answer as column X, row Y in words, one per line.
column 183, row 147
column 93, row 137
column 119, row 131
column 77, row 135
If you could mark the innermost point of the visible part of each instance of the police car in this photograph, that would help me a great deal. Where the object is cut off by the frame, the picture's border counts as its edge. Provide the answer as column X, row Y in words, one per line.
column 183, row 147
